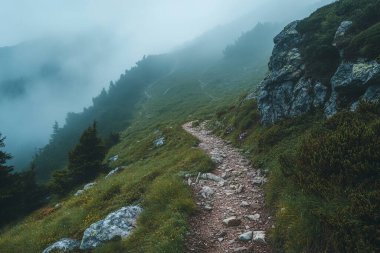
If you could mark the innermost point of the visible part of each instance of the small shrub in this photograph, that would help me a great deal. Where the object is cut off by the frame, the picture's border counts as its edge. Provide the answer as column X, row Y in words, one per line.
column 318, row 31
column 336, row 172
column 270, row 137
column 365, row 44
column 111, row 192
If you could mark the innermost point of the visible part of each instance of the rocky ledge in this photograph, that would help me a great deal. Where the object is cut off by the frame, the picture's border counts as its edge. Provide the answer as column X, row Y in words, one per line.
column 288, row 92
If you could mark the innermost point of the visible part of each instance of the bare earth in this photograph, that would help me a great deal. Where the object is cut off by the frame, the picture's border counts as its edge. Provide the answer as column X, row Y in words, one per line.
column 238, row 194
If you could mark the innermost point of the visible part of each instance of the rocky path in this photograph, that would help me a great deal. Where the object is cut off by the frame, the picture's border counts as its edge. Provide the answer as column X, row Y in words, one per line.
column 232, row 217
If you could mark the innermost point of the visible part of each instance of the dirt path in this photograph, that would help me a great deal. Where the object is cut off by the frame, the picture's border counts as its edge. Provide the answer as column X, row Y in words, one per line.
column 234, row 192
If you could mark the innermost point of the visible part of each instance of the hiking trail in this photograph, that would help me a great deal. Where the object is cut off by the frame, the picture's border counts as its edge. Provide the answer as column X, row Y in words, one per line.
column 232, row 216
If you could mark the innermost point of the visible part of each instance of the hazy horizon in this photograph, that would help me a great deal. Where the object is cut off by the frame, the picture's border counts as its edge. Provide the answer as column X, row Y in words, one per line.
column 102, row 39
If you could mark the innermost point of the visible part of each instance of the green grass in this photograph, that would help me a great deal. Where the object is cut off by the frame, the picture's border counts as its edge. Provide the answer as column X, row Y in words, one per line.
column 151, row 177
column 323, row 176
column 150, row 180
column 366, row 44
column 318, row 31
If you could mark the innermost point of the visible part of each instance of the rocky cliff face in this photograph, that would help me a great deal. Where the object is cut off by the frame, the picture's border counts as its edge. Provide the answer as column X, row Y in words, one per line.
column 288, row 92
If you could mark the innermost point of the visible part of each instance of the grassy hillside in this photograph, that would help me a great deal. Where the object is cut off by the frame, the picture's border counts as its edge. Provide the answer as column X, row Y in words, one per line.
column 169, row 85
column 324, row 175
column 150, row 101
column 113, row 109
column 150, row 179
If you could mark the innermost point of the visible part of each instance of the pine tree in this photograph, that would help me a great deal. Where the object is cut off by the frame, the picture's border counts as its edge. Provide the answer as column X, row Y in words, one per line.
column 85, row 160
column 5, row 170
column 55, row 131
column 6, row 185
column 19, row 193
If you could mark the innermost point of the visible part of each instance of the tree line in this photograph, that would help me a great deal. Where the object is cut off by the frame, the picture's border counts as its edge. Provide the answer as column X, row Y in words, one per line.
column 19, row 192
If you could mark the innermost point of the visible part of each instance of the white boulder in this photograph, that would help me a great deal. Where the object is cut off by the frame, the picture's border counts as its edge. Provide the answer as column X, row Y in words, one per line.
column 116, row 224
column 63, row 245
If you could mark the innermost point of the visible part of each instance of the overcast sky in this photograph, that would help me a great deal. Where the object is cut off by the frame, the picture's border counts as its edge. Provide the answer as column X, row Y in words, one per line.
column 148, row 26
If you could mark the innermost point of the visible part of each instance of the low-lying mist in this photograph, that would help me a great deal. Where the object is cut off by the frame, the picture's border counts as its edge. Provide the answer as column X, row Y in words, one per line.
column 42, row 80
column 65, row 52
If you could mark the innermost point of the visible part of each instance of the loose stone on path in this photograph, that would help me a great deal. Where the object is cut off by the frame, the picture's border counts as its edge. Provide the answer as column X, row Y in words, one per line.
column 231, row 216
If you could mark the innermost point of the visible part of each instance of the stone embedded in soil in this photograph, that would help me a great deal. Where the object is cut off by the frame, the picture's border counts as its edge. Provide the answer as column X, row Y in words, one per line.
column 206, row 192
column 244, row 204
column 259, row 236
column 258, row 180
column 247, row 236
column 224, row 175
column 232, row 221
column 242, row 250
column 208, row 207
column 222, row 234
column 211, row 176
column 213, row 233
column 254, row 217
column 240, row 189
column 217, row 158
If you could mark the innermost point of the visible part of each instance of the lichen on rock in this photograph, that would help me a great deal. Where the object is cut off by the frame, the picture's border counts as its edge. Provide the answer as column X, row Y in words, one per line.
column 287, row 91
column 63, row 245
column 118, row 224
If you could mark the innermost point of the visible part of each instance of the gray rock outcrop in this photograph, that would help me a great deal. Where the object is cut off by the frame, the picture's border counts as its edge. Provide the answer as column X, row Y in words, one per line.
column 287, row 92
column 63, row 245
column 341, row 32
column 113, row 158
column 118, row 224
column 85, row 188
column 159, row 142
column 114, row 171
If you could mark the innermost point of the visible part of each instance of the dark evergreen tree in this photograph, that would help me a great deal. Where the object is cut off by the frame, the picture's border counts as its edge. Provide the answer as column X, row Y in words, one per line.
column 112, row 109
column 19, row 193
column 85, row 163
column 60, row 182
column 5, row 170
column 55, row 130
column 85, row 160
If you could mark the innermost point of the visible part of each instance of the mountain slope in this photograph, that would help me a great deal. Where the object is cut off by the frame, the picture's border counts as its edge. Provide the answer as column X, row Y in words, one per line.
column 323, row 171
column 151, row 101
column 39, row 83
column 170, row 85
